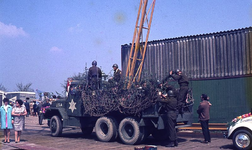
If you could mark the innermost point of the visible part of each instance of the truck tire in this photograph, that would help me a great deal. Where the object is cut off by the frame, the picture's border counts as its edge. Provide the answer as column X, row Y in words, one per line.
column 86, row 130
column 40, row 118
column 130, row 132
column 242, row 139
column 106, row 129
column 55, row 126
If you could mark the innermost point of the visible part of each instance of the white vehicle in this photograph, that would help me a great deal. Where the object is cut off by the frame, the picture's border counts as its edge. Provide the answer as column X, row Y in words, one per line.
column 240, row 131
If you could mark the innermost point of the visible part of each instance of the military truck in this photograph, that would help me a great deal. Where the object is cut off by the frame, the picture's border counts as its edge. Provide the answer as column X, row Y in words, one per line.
column 110, row 116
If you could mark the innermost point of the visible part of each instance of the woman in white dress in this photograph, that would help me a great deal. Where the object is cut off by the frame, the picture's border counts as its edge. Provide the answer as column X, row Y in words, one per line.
column 18, row 112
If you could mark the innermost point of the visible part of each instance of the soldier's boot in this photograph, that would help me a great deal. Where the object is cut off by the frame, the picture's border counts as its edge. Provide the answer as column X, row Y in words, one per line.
column 171, row 144
column 181, row 111
column 176, row 143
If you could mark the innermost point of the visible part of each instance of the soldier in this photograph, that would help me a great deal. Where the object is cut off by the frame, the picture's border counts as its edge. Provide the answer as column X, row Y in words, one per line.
column 183, row 83
column 94, row 76
column 117, row 73
column 117, row 76
column 170, row 106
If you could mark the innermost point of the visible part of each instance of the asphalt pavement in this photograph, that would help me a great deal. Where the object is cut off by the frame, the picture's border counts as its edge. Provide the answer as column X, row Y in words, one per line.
column 37, row 137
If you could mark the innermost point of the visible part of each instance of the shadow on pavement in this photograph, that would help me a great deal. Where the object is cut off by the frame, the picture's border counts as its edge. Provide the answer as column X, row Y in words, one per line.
column 78, row 135
column 195, row 141
column 228, row 147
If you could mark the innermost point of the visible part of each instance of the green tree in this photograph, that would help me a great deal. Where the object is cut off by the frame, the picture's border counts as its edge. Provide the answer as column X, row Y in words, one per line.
column 80, row 76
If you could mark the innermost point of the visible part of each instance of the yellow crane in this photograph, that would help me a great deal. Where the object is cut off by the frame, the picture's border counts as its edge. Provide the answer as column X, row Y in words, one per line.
column 137, row 51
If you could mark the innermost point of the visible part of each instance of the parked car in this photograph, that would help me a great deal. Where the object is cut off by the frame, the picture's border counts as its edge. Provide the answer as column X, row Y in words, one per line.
column 240, row 131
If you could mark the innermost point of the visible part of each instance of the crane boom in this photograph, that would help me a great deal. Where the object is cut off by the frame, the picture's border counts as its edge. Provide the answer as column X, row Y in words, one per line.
column 137, row 51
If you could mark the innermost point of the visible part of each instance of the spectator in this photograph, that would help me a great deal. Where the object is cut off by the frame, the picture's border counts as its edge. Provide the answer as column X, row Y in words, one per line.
column 18, row 112
column 6, row 119
column 31, row 108
column 46, row 103
column 35, row 108
column 204, row 116
column 27, row 106
column 53, row 99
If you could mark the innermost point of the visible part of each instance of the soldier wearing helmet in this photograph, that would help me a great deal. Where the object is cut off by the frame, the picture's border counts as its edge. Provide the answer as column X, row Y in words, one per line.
column 169, row 104
column 117, row 73
column 94, row 76
column 183, row 83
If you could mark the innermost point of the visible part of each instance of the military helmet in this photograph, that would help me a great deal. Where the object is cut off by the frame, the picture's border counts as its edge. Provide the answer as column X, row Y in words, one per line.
column 115, row 65
column 177, row 71
column 94, row 63
column 171, row 93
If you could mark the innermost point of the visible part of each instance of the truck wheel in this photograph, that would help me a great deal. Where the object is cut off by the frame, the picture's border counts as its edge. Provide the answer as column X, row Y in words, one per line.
column 86, row 130
column 106, row 129
column 56, row 126
column 40, row 117
column 242, row 140
column 130, row 132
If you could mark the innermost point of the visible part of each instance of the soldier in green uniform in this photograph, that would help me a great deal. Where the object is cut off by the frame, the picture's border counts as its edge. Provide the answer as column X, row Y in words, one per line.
column 169, row 102
column 94, row 76
column 116, row 77
column 117, row 73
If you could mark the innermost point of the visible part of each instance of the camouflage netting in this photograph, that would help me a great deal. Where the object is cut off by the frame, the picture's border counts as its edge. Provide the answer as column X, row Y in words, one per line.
column 115, row 97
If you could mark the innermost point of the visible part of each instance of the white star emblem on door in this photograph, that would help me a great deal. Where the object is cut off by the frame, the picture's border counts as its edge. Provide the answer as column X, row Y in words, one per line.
column 72, row 105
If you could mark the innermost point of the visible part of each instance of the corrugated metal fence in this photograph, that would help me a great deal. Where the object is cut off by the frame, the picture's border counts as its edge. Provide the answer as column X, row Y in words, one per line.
column 215, row 55
column 221, row 56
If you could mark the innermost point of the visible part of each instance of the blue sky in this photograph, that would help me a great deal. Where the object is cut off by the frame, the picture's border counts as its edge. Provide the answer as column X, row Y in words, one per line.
column 45, row 42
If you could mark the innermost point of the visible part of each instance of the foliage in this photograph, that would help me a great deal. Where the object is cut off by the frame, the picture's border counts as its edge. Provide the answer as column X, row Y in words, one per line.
column 79, row 76
column 2, row 88
column 25, row 88
column 115, row 97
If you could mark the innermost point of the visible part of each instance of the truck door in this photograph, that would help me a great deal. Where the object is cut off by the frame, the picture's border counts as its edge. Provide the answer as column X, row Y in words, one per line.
column 74, row 105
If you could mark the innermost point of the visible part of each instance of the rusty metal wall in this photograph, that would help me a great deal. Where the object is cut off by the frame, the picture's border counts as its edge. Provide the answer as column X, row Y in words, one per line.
column 206, row 56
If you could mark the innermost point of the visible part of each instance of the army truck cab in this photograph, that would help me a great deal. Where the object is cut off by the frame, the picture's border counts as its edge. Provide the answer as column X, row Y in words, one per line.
column 110, row 124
